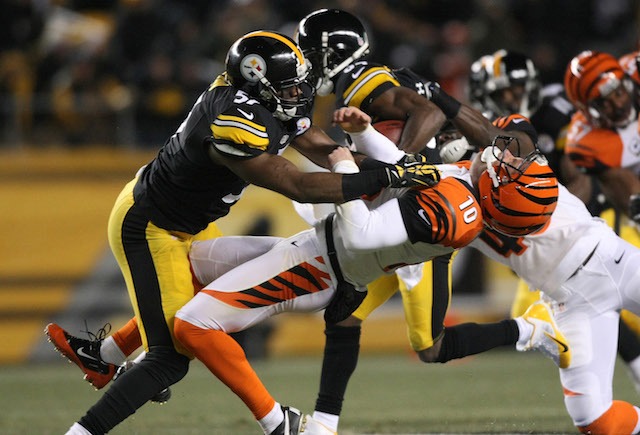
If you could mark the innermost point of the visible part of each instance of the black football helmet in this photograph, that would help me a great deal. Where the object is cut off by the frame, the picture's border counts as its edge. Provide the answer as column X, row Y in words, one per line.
column 332, row 40
column 270, row 67
column 491, row 76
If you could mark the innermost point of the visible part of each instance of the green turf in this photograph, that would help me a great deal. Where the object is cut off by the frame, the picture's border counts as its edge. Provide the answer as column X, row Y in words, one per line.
column 498, row 392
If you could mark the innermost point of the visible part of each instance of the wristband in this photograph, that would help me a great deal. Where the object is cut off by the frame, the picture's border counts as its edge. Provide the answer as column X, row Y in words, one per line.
column 345, row 167
column 363, row 183
column 445, row 102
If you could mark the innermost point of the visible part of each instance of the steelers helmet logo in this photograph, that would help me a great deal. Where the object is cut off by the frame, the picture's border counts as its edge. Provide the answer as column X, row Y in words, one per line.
column 253, row 67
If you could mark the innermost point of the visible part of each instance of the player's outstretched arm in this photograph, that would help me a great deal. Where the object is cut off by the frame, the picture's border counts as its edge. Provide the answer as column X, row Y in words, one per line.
column 478, row 130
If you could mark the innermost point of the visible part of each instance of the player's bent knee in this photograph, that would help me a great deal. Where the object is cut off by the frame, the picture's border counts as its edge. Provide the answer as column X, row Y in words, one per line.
column 620, row 418
column 166, row 364
column 431, row 354
column 428, row 355
column 350, row 322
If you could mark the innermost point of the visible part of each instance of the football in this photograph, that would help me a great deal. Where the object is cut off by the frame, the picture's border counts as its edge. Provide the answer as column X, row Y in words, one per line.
column 392, row 129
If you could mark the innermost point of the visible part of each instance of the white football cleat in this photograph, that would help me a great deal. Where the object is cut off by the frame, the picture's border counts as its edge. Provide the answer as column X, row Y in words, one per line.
column 546, row 337
column 310, row 426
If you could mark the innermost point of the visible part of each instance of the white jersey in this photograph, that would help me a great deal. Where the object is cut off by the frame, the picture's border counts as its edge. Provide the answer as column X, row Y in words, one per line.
column 296, row 274
column 401, row 227
column 373, row 238
column 547, row 259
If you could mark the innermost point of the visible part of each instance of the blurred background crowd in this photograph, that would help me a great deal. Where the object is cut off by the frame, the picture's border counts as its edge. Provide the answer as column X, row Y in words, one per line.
column 125, row 72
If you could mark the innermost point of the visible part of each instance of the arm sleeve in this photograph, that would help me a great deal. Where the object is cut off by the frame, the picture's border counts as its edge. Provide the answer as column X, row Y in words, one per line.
column 375, row 145
column 364, row 230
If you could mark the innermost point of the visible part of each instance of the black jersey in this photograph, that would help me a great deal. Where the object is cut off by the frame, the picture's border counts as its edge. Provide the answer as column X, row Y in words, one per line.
column 410, row 79
column 182, row 189
column 361, row 83
column 551, row 121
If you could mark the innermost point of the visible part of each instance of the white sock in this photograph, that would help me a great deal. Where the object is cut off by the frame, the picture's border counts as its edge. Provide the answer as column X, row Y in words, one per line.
column 329, row 420
column 77, row 429
column 272, row 420
column 110, row 352
column 139, row 357
column 525, row 330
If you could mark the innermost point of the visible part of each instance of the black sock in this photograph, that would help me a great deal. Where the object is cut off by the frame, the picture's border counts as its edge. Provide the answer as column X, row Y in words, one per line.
column 161, row 367
column 340, row 360
column 628, row 343
column 472, row 338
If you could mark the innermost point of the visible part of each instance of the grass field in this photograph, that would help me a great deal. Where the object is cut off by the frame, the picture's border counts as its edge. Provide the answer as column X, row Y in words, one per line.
column 497, row 392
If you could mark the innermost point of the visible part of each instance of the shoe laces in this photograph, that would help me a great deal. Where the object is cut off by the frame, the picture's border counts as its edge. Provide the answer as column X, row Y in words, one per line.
column 101, row 334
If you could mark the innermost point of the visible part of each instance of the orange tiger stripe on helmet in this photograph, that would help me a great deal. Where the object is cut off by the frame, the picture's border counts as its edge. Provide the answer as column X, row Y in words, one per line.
column 449, row 224
column 586, row 73
column 523, row 206
column 299, row 280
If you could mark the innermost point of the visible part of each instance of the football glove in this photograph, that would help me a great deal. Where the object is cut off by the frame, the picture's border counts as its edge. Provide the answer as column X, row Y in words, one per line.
column 413, row 170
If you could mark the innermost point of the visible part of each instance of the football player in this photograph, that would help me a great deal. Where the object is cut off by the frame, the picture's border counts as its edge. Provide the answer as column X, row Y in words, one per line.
column 507, row 82
column 335, row 42
column 362, row 241
column 588, row 276
column 233, row 136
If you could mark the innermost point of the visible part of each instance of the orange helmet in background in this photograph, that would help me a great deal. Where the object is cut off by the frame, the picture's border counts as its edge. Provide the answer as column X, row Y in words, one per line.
column 590, row 77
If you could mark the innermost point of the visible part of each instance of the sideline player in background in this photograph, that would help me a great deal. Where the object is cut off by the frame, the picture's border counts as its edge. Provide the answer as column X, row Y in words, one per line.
column 232, row 137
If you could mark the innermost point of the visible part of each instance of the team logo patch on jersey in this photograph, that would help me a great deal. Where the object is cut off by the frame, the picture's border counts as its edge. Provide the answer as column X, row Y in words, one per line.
column 251, row 64
column 302, row 125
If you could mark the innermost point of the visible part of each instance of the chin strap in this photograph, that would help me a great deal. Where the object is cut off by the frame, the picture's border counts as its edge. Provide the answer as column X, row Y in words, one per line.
column 489, row 156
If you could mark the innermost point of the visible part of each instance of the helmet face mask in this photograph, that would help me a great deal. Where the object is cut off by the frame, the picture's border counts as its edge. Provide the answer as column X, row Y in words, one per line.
column 332, row 40
column 270, row 67
column 525, row 194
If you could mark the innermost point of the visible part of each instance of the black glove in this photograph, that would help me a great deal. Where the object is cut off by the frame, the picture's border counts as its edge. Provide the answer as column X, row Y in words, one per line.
column 413, row 170
column 346, row 300
column 634, row 207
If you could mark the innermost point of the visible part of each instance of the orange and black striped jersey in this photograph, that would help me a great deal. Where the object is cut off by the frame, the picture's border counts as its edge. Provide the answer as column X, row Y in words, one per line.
column 406, row 226
column 596, row 149
column 447, row 214
column 361, row 83
column 182, row 189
